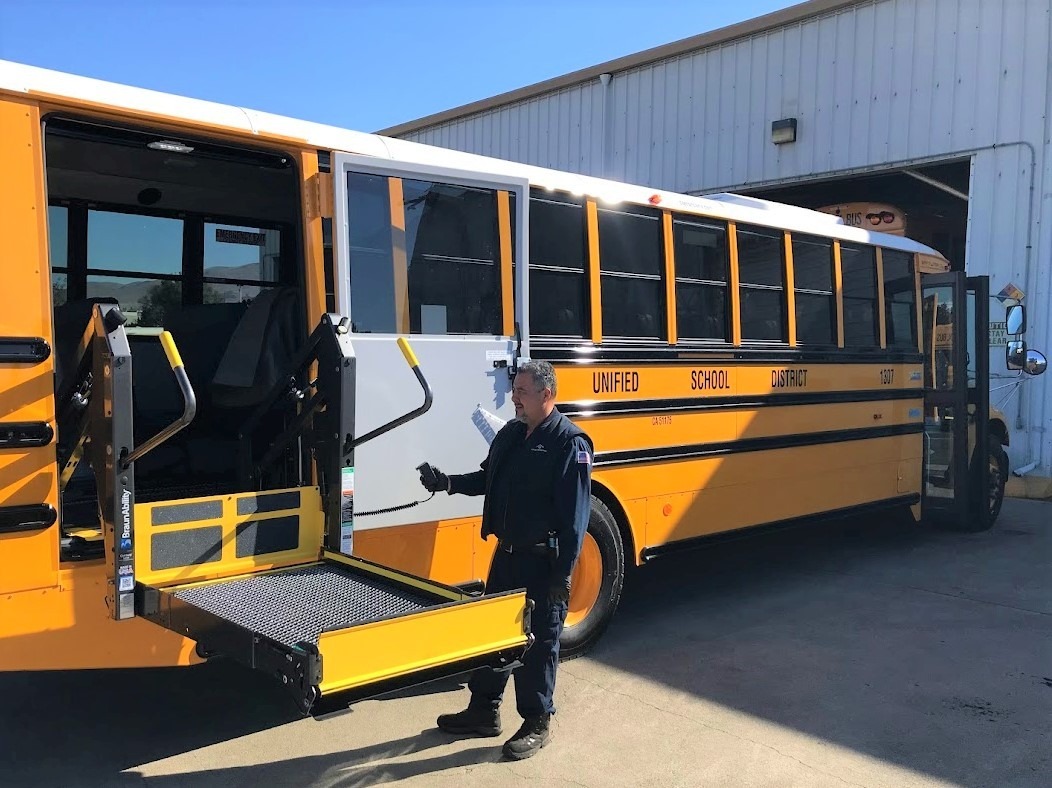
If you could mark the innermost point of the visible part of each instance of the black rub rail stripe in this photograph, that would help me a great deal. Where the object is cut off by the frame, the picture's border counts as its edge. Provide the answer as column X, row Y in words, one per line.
column 589, row 354
column 695, row 542
column 24, row 350
column 610, row 407
column 31, row 517
column 752, row 444
column 25, row 434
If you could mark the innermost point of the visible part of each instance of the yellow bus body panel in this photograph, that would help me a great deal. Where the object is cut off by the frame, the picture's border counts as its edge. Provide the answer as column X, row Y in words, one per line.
column 27, row 476
column 69, row 627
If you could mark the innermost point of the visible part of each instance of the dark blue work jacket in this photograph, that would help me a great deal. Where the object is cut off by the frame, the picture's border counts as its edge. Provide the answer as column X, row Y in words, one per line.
column 535, row 486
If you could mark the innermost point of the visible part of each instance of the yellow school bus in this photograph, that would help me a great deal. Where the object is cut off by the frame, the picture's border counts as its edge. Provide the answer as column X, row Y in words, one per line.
column 228, row 338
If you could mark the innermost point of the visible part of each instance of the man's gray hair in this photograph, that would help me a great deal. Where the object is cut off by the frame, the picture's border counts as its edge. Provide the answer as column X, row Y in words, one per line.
column 542, row 372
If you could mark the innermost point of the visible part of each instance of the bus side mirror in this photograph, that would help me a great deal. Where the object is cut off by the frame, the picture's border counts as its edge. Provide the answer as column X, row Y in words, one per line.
column 1018, row 356
column 1015, row 354
column 1035, row 363
column 1015, row 319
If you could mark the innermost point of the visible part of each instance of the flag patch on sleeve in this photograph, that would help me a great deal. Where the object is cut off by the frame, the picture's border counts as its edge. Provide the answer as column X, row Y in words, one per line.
column 583, row 458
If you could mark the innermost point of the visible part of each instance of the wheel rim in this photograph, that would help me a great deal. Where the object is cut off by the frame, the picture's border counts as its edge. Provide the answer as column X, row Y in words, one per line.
column 586, row 582
column 995, row 484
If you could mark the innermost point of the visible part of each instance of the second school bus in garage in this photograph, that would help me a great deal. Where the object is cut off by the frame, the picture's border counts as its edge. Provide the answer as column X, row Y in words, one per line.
column 210, row 433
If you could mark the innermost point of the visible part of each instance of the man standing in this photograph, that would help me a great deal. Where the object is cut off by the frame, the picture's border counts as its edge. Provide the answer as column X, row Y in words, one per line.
column 536, row 480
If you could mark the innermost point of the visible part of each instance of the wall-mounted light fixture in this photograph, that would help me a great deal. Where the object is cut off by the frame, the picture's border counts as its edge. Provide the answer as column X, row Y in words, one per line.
column 783, row 131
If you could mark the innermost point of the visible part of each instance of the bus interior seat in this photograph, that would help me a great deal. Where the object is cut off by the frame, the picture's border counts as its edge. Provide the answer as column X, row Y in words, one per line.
column 260, row 351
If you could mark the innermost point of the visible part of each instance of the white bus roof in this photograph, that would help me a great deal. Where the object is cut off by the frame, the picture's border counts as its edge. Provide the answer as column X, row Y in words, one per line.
column 45, row 83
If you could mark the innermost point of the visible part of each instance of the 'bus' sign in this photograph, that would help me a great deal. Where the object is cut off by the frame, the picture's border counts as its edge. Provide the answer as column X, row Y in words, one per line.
column 875, row 216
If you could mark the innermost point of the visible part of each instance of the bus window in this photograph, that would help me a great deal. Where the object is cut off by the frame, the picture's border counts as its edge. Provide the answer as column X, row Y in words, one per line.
column 58, row 233
column 702, row 265
column 453, row 250
column 443, row 266
column 815, row 297
column 371, row 256
column 137, row 260
column 761, row 273
column 559, row 300
column 239, row 262
column 859, row 267
column 900, row 299
column 631, row 263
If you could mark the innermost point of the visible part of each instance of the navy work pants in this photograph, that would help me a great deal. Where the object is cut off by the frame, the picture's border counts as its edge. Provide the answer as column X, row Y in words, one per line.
column 535, row 679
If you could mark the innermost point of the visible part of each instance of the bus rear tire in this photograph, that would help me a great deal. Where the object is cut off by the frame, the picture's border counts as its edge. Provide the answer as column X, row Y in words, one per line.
column 596, row 584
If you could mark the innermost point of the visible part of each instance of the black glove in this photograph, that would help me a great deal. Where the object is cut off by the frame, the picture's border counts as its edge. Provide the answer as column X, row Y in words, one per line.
column 559, row 591
column 433, row 479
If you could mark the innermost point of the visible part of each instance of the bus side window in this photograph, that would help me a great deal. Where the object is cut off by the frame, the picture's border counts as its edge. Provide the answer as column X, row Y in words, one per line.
column 900, row 296
column 702, row 266
column 58, row 235
column 761, row 273
column 138, row 260
column 815, row 297
column 441, row 258
column 558, row 286
column 631, row 273
column 859, row 266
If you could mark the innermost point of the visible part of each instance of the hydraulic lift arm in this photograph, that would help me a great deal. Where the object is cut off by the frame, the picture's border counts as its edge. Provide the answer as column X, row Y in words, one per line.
column 329, row 410
column 113, row 455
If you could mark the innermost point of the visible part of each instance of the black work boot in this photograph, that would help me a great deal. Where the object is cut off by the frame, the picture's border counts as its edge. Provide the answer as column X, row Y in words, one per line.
column 476, row 722
column 531, row 736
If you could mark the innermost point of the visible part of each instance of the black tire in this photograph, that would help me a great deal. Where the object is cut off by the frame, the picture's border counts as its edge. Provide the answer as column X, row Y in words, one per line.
column 986, row 502
column 998, row 478
column 578, row 639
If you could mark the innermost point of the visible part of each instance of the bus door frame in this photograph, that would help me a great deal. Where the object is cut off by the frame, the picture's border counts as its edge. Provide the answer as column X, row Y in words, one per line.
column 967, row 397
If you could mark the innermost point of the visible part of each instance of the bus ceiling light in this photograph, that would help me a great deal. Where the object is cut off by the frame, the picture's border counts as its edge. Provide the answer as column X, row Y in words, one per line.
column 654, row 199
column 783, row 131
column 171, row 146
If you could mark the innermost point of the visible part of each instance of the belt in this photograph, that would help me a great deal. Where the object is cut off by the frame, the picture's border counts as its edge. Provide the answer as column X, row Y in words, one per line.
column 536, row 549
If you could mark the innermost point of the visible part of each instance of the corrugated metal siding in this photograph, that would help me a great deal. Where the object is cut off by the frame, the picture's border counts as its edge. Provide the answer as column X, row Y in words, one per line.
column 561, row 131
column 884, row 81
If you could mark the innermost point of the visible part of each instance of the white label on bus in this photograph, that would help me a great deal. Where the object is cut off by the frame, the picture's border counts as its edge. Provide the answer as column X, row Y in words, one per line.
column 347, row 512
column 487, row 424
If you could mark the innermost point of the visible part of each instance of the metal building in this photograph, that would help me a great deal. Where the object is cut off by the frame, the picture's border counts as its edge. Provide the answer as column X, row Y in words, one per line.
column 941, row 108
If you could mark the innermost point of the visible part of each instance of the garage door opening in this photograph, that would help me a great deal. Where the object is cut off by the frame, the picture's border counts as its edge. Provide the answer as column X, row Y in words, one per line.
column 932, row 199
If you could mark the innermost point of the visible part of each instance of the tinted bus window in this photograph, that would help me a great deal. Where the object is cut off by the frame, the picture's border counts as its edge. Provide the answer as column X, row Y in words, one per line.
column 631, row 264
column 702, row 266
column 558, row 292
column 761, row 274
column 859, row 271
column 900, row 299
column 813, row 285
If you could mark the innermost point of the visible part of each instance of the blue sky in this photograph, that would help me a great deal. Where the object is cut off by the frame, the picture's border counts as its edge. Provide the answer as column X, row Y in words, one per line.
column 361, row 64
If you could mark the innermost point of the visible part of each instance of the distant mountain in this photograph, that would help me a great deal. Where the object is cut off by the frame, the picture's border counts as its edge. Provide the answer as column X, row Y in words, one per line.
column 130, row 294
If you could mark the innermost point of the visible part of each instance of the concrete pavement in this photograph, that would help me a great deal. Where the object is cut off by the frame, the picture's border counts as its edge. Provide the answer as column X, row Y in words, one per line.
column 863, row 653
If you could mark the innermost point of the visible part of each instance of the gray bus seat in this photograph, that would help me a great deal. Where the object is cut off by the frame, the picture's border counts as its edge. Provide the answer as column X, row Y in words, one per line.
column 262, row 348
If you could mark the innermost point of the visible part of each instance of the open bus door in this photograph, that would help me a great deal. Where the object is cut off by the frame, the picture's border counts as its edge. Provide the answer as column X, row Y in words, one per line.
column 957, row 399
column 430, row 252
